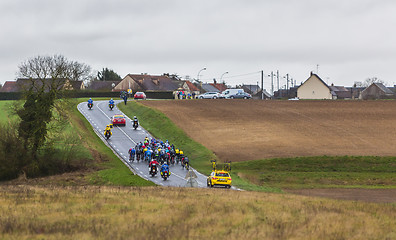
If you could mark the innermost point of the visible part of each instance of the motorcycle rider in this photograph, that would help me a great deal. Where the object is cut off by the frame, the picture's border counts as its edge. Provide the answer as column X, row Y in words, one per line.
column 151, row 164
column 108, row 129
column 90, row 101
column 135, row 121
column 165, row 168
column 111, row 102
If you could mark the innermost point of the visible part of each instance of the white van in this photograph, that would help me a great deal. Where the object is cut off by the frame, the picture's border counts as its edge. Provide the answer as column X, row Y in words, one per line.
column 231, row 91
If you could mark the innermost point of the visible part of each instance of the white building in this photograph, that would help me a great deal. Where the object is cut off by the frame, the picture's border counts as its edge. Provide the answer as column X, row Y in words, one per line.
column 314, row 88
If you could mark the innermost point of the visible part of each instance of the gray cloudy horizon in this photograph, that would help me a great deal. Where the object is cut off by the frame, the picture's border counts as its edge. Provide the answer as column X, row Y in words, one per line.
column 350, row 40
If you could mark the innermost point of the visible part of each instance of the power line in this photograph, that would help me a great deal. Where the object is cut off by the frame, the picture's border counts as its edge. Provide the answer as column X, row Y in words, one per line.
column 240, row 75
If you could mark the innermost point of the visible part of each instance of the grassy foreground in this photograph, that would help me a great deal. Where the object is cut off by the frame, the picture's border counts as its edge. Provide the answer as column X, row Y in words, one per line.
column 321, row 172
column 28, row 212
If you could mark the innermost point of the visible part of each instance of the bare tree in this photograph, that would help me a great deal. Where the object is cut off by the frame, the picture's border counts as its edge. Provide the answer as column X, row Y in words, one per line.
column 54, row 67
column 46, row 76
column 372, row 80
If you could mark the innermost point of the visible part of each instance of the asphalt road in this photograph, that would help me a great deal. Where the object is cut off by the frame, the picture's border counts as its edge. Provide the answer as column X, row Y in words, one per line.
column 124, row 138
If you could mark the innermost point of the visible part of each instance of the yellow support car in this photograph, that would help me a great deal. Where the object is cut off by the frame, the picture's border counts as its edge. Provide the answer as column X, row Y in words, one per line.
column 220, row 178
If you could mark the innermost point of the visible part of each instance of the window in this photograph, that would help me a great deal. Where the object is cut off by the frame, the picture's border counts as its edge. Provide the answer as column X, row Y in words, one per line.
column 222, row 175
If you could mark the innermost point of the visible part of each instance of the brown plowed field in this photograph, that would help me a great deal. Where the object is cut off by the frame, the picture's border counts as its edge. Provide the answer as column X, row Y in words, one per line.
column 240, row 130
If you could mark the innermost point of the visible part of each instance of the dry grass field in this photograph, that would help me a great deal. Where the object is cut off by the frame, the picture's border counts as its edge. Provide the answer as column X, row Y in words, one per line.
column 239, row 130
column 33, row 212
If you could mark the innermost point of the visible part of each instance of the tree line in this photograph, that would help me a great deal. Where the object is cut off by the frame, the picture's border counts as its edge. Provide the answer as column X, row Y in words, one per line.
column 26, row 146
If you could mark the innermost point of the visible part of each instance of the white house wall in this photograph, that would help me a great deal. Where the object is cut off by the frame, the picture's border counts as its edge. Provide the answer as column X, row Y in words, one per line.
column 125, row 84
column 313, row 88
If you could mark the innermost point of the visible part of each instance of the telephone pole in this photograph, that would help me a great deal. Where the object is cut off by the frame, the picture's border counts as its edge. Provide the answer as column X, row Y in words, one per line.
column 262, row 85
column 272, row 83
column 277, row 76
column 287, row 84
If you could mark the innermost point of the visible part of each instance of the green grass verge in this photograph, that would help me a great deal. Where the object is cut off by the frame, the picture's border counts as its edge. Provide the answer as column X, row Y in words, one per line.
column 160, row 126
column 321, row 172
column 114, row 171
column 6, row 111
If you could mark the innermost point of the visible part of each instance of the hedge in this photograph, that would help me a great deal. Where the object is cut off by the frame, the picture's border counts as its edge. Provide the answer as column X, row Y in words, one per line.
column 89, row 94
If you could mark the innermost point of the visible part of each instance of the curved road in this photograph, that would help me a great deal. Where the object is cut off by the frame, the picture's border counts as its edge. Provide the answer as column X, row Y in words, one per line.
column 124, row 138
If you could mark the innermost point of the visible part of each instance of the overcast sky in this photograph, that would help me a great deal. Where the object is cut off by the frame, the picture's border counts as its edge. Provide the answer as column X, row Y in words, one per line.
column 350, row 40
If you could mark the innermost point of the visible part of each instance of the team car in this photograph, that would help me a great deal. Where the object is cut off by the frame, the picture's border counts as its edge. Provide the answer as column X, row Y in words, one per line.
column 220, row 178
column 139, row 95
column 118, row 120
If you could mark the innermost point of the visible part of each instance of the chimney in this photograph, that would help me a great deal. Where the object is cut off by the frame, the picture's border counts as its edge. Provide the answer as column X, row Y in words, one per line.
column 214, row 80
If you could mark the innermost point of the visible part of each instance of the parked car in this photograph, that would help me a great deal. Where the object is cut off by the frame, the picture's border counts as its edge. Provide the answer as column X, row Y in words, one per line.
column 231, row 91
column 139, row 95
column 240, row 95
column 118, row 119
column 210, row 95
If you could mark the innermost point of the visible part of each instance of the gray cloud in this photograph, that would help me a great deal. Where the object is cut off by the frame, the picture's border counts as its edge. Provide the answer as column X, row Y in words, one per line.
column 350, row 40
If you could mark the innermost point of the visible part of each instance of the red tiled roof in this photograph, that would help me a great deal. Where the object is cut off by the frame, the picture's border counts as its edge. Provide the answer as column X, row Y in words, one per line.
column 191, row 86
column 220, row 86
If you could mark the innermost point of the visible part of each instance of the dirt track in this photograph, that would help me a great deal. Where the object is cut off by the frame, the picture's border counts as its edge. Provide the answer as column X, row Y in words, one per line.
column 239, row 130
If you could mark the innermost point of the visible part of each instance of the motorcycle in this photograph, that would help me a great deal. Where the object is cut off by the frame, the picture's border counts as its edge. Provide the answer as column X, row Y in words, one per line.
column 107, row 134
column 111, row 106
column 153, row 170
column 165, row 175
column 90, row 105
column 135, row 124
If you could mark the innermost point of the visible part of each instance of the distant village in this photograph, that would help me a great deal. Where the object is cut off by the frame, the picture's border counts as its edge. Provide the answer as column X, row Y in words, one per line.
column 312, row 88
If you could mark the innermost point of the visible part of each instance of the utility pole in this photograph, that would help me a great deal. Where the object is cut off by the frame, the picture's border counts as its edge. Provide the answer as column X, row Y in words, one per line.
column 262, row 85
column 272, row 83
column 277, row 76
column 287, row 84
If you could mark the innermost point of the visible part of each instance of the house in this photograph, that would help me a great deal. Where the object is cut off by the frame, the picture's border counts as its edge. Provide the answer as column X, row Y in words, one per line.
column 314, row 88
column 22, row 84
column 146, row 82
column 75, row 85
column 376, row 91
column 252, row 89
column 340, row 92
column 207, row 87
column 266, row 95
column 10, row 86
column 220, row 86
column 103, row 86
column 286, row 93
column 190, row 87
